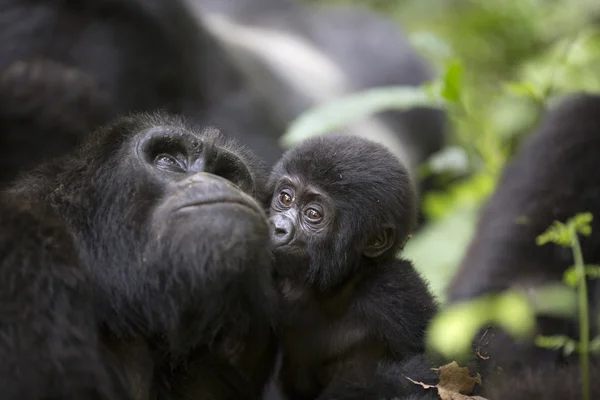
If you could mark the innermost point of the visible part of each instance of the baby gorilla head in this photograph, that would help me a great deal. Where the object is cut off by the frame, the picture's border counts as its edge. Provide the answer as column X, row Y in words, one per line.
column 338, row 202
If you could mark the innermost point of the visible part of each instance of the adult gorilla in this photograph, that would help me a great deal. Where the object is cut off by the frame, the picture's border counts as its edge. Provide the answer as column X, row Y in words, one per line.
column 142, row 255
column 67, row 67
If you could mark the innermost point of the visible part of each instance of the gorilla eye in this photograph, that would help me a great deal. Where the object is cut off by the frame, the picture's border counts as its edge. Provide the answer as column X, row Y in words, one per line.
column 313, row 215
column 285, row 199
column 168, row 162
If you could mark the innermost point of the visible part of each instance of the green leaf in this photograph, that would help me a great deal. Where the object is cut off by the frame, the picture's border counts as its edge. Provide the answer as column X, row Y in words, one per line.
column 563, row 233
column 336, row 114
column 452, row 330
column 570, row 347
column 552, row 342
column 467, row 193
column 452, row 81
column 514, row 313
column 581, row 223
column 557, row 233
column 556, row 300
column 595, row 344
column 571, row 275
column 450, row 237
column 525, row 89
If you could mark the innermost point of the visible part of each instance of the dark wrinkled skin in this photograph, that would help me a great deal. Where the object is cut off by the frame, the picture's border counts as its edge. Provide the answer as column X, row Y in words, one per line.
column 137, row 267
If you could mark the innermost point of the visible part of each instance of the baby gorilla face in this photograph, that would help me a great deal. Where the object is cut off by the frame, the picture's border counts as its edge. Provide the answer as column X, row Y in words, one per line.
column 337, row 201
column 299, row 213
column 300, row 219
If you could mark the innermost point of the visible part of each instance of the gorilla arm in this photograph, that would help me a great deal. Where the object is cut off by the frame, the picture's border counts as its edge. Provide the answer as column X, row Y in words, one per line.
column 49, row 347
column 398, row 304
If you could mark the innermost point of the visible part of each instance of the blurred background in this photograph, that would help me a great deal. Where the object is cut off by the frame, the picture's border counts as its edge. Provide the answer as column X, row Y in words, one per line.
column 507, row 61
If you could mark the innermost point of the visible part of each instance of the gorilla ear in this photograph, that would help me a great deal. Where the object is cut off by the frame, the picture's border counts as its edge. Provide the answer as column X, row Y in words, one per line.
column 380, row 243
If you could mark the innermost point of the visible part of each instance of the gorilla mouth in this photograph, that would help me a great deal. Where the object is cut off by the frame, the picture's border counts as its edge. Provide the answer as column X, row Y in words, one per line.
column 236, row 202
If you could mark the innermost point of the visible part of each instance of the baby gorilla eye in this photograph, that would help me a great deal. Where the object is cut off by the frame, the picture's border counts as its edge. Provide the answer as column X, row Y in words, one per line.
column 313, row 215
column 285, row 199
column 168, row 162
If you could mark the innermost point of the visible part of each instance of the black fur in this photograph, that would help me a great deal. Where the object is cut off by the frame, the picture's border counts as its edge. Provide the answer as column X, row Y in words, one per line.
column 388, row 382
column 173, row 290
column 50, row 342
column 344, row 311
column 67, row 67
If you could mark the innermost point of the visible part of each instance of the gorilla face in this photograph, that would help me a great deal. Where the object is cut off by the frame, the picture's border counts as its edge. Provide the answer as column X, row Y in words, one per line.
column 165, row 214
column 175, row 268
column 338, row 202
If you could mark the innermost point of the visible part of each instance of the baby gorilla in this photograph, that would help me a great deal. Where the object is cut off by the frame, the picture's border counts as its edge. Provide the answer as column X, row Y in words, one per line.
column 341, row 208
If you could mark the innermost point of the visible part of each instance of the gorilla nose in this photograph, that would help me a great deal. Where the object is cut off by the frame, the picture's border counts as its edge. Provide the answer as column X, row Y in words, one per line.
column 282, row 230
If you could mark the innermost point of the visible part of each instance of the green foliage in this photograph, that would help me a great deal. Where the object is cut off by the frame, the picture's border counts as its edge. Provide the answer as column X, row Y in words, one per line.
column 554, row 299
column 571, row 275
column 336, row 114
column 499, row 65
column 450, row 235
column 451, row 332
column 565, row 234
column 568, row 345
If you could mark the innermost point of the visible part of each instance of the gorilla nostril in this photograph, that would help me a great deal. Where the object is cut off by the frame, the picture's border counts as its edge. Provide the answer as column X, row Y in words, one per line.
column 282, row 230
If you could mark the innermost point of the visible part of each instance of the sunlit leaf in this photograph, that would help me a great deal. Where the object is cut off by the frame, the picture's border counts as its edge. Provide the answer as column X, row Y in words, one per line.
column 336, row 114
column 562, row 233
column 556, row 300
column 525, row 89
column 452, row 330
column 595, row 344
column 571, row 275
column 452, row 81
column 449, row 236
column 514, row 313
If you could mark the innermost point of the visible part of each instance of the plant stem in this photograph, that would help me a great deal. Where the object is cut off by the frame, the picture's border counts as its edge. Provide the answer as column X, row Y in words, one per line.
column 584, row 321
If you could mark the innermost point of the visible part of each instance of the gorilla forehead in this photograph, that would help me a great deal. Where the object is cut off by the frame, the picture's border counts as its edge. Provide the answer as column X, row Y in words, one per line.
column 345, row 165
column 112, row 139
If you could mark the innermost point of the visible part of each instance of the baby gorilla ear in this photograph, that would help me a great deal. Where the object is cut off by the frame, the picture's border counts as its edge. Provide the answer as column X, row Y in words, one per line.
column 380, row 243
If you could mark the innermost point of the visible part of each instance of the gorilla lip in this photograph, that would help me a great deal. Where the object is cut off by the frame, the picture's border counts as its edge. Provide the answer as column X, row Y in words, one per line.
column 240, row 202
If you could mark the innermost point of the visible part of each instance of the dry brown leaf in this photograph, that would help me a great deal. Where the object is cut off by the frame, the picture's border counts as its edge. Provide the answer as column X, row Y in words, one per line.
column 446, row 394
column 457, row 379
column 454, row 382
